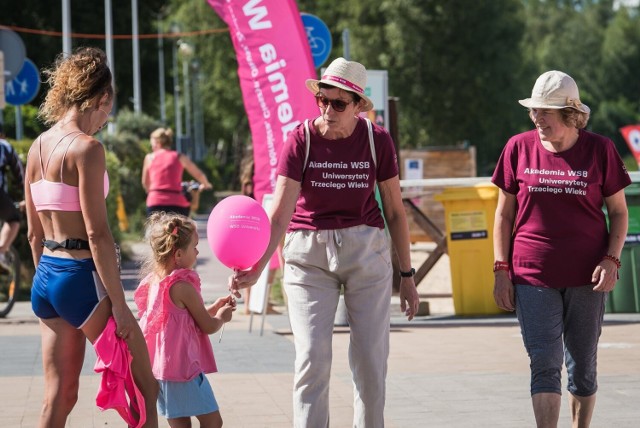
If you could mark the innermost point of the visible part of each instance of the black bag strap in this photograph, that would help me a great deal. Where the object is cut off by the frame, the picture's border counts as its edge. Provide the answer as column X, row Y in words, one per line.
column 67, row 244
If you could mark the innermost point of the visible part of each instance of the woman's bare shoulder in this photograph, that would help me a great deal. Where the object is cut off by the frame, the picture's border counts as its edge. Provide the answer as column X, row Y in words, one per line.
column 86, row 146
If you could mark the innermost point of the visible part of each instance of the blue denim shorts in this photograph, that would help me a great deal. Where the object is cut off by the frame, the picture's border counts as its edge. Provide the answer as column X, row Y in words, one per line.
column 185, row 399
column 557, row 321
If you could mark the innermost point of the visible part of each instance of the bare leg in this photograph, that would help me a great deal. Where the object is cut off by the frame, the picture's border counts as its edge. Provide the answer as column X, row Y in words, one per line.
column 210, row 420
column 179, row 422
column 546, row 407
column 140, row 365
column 8, row 234
column 62, row 356
column 581, row 410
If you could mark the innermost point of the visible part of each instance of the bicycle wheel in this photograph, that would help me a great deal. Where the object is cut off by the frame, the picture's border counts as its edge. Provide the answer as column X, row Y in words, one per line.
column 9, row 282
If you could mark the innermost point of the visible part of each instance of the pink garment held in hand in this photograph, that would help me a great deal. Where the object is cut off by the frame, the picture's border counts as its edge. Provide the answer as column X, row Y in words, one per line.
column 117, row 389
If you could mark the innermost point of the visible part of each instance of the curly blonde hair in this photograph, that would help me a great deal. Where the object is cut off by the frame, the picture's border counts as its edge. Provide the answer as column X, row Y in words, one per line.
column 166, row 233
column 164, row 136
column 75, row 81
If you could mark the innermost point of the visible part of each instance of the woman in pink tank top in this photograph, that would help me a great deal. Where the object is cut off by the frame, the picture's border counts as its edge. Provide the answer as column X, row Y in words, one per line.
column 162, row 175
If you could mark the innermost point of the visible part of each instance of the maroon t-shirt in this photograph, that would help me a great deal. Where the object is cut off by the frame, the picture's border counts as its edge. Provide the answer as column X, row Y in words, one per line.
column 338, row 184
column 560, row 232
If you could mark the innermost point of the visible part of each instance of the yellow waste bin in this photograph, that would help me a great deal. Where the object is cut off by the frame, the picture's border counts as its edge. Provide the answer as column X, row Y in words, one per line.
column 469, row 214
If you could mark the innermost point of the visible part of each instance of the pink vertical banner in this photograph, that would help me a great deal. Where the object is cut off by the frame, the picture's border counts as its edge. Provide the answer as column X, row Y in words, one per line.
column 274, row 60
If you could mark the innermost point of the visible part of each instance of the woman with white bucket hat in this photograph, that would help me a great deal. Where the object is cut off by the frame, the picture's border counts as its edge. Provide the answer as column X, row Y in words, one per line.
column 555, row 258
column 335, row 236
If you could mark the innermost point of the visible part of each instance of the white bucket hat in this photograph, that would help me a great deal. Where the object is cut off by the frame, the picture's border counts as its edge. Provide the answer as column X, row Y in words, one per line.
column 348, row 75
column 555, row 90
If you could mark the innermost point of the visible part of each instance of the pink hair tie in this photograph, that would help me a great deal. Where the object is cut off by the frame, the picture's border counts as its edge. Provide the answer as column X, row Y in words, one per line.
column 174, row 232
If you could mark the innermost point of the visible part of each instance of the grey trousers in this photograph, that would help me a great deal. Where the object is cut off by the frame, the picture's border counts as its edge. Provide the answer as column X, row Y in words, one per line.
column 317, row 264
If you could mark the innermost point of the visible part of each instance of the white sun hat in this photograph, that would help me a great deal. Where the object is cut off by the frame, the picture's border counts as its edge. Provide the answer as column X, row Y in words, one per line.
column 348, row 75
column 555, row 90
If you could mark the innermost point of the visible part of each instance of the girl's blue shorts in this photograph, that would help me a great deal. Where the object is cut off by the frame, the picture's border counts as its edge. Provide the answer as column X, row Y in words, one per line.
column 185, row 399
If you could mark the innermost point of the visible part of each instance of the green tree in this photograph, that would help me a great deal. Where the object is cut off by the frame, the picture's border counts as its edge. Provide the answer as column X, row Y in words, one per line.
column 226, row 124
column 31, row 126
column 455, row 66
column 129, row 145
column 598, row 47
column 458, row 67
column 619, row 103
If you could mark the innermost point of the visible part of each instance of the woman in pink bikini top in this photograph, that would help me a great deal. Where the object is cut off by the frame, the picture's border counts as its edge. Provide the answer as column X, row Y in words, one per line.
column 76, row 287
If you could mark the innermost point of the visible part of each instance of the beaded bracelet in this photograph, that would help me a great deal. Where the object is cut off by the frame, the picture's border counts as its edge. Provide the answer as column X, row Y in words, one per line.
column 500, row 265
column 613, row 259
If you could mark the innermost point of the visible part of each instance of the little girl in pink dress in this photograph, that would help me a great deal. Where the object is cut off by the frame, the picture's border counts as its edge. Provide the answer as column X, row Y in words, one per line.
column 176, row 323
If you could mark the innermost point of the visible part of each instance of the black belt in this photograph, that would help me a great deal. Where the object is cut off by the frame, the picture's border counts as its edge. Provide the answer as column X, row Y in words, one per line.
column 67, row 244
column 165, row 190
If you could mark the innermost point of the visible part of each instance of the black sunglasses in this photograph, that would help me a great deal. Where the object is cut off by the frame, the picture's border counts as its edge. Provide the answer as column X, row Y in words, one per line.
column 337, row 105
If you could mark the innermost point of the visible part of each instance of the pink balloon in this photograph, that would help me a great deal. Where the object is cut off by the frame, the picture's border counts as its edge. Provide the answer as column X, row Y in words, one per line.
column 238, row 231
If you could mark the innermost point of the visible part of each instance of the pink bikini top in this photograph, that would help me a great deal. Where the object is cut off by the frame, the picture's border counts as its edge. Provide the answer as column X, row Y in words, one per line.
column 57, row 195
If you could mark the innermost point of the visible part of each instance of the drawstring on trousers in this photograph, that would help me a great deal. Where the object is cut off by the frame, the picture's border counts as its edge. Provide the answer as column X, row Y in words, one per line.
column 333, row 240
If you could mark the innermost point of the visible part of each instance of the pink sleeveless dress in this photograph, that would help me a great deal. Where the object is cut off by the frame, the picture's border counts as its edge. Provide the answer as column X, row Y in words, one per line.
column 178, row 349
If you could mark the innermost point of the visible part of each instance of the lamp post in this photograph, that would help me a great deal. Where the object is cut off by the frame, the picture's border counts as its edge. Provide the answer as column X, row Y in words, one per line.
column 108, row 34
column 137, row 93
column 163, row 106
column 186, row 52
column 198, row 121
column 346, row 44
column 66, row 27
column 175, row 29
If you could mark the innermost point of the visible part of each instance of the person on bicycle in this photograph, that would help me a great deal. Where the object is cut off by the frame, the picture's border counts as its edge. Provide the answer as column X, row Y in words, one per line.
column 162, row 175
column 9, row 213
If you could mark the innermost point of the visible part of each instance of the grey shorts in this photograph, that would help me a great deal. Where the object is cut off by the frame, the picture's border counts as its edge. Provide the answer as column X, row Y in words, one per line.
column 557, row 321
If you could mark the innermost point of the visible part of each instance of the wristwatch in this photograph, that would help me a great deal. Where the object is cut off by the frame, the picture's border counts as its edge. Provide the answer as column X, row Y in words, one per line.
column 408, row 274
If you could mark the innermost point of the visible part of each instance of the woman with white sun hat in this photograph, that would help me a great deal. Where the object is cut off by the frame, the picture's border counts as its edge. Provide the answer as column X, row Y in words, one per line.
column 555, row 258
column 335, row 237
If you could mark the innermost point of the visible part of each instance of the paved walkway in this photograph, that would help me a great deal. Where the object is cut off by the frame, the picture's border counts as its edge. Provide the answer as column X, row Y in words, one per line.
column 444, row 371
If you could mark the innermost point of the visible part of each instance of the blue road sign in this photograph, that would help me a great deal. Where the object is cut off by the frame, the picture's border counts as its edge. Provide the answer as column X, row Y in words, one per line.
column 24, row 87
column 319, row 38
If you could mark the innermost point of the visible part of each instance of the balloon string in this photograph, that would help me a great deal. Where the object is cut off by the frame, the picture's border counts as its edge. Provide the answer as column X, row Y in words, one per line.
column 221, row 332
column 222, row 329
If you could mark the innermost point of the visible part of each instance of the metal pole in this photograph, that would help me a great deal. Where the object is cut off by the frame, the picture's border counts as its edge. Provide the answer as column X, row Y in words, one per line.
column 19, row 127
column 197, row 111
column 108, row 32
column 200, row 119
column 187, row 103
column 186, row 53
column 163, row 106
column 137, row 97
column 176, row 91
column 66, row 27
